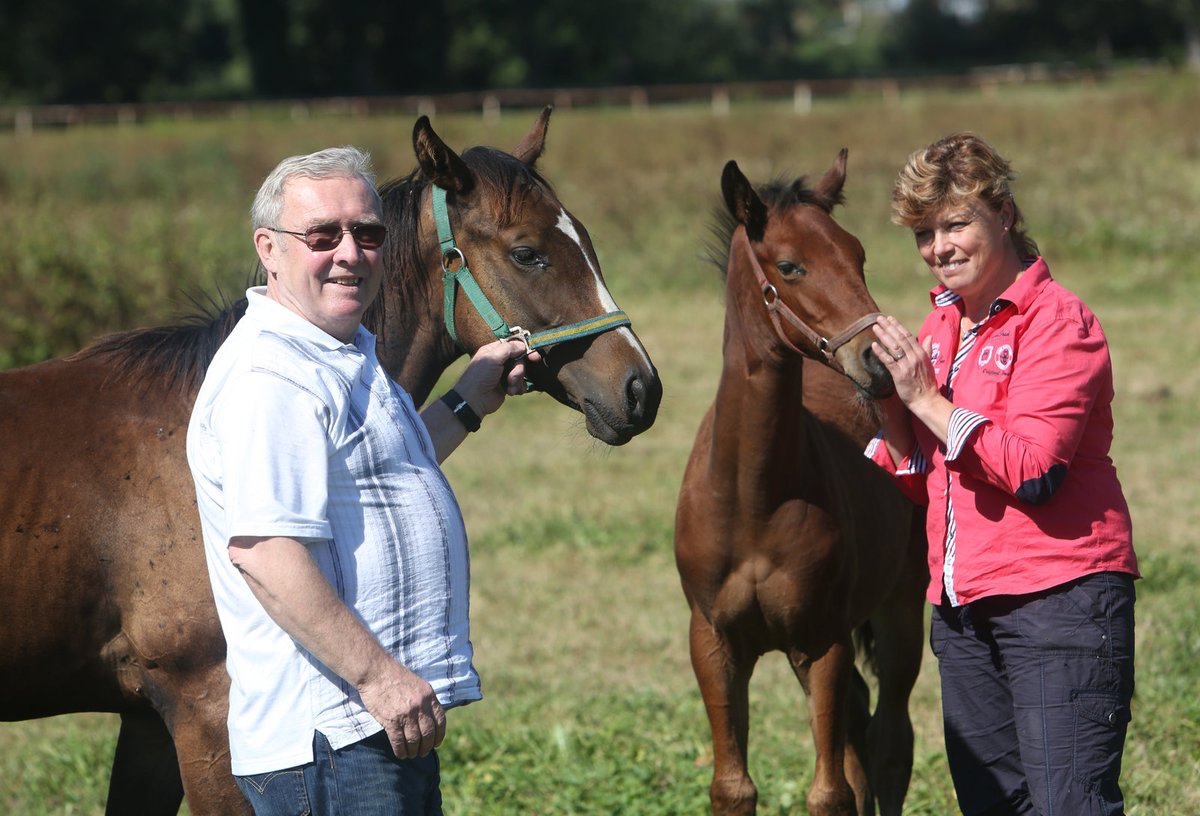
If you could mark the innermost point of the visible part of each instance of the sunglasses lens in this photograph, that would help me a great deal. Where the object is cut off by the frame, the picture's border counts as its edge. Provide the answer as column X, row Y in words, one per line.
column 323, row 238
column 369, row 236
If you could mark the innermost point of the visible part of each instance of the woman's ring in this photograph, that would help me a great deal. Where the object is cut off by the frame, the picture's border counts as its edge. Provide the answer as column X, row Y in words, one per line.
column 899, row 355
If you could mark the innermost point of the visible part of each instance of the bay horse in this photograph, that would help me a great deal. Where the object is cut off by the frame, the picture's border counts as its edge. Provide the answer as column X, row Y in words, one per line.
column 787, row 538
column 104, row 596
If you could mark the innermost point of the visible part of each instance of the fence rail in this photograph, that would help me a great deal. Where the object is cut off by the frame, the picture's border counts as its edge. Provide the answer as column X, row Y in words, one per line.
column 721, row 96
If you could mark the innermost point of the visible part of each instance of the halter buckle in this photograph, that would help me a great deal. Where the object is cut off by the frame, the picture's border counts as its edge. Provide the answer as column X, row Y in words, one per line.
column 517, row 333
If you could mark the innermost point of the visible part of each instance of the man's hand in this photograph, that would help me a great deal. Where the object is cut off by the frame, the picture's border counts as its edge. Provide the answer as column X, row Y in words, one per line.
column 494, row 372
column 488, row 378
column 408, row 710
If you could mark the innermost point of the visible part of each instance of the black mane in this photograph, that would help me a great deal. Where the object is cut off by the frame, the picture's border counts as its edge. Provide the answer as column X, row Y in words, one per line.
column 175, row 356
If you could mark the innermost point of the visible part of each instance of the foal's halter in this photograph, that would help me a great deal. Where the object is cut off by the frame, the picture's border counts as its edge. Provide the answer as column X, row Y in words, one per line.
column 826, row 346
column 455, row 275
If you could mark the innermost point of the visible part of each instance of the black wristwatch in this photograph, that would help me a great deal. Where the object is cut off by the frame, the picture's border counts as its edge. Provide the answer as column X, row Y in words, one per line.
column 463, row 410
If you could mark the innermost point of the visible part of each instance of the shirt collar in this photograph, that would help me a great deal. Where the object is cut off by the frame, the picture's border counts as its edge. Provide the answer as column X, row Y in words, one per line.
column 1019, row 295
column 280, row 318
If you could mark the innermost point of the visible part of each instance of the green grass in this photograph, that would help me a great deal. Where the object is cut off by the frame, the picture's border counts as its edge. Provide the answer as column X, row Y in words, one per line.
column 579, row 624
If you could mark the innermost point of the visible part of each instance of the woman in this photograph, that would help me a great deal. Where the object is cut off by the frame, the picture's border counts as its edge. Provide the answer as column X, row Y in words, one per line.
column 1002, row 424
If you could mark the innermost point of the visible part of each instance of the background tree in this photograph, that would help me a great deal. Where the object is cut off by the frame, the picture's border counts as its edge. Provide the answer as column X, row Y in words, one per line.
column 55, row 51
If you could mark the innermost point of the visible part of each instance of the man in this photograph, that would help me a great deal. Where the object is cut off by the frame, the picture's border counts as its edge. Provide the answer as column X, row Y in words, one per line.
column 335, row 548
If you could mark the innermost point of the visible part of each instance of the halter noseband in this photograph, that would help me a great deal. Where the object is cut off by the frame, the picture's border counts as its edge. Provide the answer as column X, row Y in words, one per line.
column 826, row 346
column 455, row 276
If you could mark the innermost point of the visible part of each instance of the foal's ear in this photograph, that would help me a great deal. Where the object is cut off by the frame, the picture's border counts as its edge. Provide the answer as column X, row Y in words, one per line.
column 531, row 147
column 438, row 162
column 743, row 203
column 829, row 188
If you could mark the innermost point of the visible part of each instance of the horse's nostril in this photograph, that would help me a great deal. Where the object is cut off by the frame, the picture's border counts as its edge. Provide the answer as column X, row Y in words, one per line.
column 643, row 396
column 636, row 390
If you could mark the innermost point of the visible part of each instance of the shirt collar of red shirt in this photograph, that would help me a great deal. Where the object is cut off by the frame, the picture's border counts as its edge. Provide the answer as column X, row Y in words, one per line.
column 1020, row 295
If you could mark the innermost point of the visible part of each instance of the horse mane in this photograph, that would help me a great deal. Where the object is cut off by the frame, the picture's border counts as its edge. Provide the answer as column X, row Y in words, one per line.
column 177, row 356
column 174, row 356
column 779, row 194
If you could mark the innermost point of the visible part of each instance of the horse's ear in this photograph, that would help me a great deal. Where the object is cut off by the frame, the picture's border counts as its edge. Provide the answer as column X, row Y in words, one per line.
column 829, row 188
column 531, row 147
column 743, row 203
column 439, row 163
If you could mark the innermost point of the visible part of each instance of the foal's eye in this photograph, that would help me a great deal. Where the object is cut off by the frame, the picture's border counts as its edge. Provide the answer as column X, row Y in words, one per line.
column 790, row 270
column 528, row 256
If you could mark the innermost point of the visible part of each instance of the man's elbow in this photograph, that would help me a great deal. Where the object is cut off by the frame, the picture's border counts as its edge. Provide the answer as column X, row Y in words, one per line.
column 241, row 551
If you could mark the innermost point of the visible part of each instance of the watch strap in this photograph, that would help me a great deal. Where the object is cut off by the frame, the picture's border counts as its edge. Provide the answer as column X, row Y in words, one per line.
column 462, row 409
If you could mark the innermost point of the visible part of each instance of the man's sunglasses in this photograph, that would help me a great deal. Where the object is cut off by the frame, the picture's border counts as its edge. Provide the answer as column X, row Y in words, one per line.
column 325, row 237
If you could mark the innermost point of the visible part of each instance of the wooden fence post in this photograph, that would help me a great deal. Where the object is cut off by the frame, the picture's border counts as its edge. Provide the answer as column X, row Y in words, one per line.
column 802, row 98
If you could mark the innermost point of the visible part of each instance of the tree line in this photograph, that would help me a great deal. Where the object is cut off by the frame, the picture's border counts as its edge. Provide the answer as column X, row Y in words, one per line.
column 63, row 51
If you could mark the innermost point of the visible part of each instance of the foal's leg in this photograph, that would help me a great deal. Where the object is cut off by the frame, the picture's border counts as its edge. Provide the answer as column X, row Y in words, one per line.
column 145, row 775
column 826, row 679
column 724, row 684
column 855, row 764
column 899, row 629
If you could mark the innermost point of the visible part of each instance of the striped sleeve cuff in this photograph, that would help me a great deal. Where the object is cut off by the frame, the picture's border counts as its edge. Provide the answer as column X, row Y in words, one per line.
column 914, row 463
column 962, row 424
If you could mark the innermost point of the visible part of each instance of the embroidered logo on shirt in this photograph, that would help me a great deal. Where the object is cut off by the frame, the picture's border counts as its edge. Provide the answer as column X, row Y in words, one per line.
column 995, row 359
column 1004, row 357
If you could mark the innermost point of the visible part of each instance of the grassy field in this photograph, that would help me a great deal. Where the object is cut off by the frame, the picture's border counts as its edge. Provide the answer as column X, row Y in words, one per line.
column 579, row 623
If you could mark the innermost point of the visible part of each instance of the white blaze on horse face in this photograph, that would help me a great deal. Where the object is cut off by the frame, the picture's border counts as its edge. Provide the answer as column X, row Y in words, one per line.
column 567, row 226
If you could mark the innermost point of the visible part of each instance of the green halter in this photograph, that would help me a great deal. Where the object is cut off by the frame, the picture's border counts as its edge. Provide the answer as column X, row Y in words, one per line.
column 452, row 279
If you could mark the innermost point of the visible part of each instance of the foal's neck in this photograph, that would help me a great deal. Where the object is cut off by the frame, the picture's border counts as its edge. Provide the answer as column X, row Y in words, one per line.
column 758, row 413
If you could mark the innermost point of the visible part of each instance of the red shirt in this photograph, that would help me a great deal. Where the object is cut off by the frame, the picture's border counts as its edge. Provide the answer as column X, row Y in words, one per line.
column 1023, row 496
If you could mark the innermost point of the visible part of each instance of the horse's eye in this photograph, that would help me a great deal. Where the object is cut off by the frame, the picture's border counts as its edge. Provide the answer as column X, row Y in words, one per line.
column 790, row 270
column 527, row 256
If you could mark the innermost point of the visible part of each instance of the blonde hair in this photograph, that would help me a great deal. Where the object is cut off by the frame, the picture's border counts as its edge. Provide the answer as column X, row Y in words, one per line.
column 952, row 170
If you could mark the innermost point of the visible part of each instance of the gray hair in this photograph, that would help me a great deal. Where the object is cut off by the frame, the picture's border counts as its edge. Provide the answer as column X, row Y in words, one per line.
column 333, row 162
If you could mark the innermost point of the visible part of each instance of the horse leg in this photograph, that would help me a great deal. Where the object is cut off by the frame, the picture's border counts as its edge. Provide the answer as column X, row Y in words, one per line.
column 202, row 743
column 207, row 778
column 856, row 762
column 899, row 644
column 827, row 679
column 145, row 774
column 725, row 686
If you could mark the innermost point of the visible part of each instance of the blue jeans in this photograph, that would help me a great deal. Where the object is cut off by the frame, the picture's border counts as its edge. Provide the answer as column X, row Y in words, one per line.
column 363, row 779
column 1036, row 693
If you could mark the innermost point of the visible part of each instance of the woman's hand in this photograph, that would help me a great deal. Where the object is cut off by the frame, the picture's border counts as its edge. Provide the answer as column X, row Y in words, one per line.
column 906, row 360
column 911, row 366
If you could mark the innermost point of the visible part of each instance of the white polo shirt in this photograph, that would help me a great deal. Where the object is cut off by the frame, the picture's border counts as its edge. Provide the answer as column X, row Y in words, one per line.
column 297, row 434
